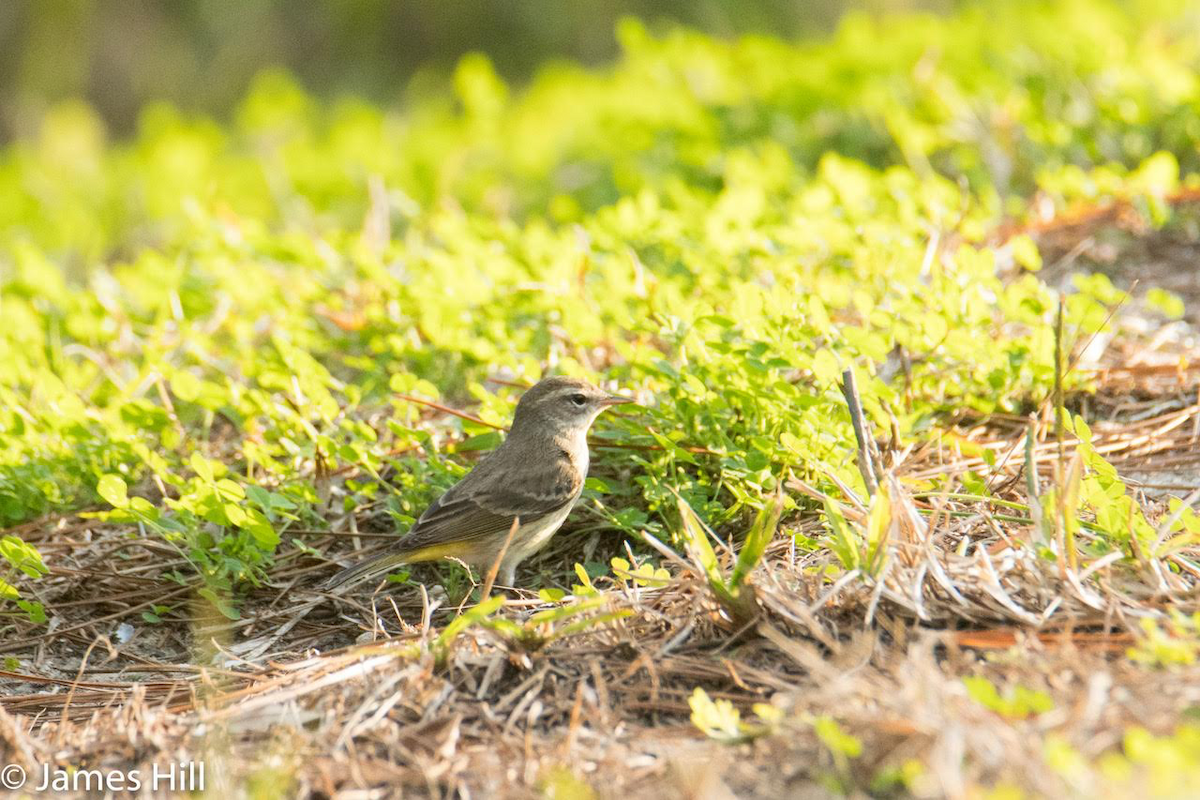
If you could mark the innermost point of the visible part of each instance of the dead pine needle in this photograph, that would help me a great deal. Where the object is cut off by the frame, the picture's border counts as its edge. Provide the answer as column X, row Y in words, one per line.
column 868, row 455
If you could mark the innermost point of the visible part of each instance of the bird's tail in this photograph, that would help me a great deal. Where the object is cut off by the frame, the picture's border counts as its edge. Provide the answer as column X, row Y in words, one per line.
column 374, row 567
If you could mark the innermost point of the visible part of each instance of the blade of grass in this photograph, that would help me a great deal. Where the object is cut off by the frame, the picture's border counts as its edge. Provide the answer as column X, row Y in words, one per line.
column 757, row 540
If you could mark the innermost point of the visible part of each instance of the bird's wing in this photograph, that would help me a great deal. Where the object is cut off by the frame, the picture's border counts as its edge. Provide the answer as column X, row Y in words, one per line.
column 479, row 507
column 473, row 510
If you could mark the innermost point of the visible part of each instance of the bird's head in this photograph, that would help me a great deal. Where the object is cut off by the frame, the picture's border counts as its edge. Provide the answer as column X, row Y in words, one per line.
column 561, row 406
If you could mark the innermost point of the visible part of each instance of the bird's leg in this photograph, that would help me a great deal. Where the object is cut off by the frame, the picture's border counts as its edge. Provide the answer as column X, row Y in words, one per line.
column 504, row 565
column 508, row 564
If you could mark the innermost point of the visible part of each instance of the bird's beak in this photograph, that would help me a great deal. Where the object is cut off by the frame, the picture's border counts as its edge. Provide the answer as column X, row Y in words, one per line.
column 615, row 400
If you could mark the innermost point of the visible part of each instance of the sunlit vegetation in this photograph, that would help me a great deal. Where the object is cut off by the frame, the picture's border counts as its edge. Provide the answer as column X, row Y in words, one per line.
column 223, row 337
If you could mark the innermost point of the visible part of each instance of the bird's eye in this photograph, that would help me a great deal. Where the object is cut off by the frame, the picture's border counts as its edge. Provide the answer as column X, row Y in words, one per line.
column 578, row 399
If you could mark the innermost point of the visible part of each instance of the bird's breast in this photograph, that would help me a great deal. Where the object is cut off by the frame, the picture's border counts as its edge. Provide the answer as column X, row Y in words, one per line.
column 575, row 450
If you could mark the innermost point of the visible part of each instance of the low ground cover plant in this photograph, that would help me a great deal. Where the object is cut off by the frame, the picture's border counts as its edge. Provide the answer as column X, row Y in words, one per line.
column 234, row 351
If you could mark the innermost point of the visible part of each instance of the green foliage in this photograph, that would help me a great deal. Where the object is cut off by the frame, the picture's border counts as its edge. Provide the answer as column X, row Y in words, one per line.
column 1170, row 761
column 23, row 559
column 1090, row 495
column 473, row 616
column 560, row 783
column 843, row 746
column 624, row 573
column 1117, row 514
column 644, row 575
column 861, row 549
column 1146, row 765
column 204, row 322
column 21, row 556
column 1175, row 644
column 567, row 619
column 729, row 591
column 719, row 720
column 1018, row 702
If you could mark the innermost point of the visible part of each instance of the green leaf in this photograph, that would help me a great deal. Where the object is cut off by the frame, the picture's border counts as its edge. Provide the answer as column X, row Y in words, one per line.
column 792, row 442
column 235, row 515
column 185, row 385
column 826, row 367
column 202, row 467
column 585, row 587
column 220, row 602
column 468, row 618
column 562, row 612
column 34, row 611
column 1169, row 304
column 259, row 527
column 1018, row 704
column 695, row 537
column 845, row 544
column 671, row 447
column 839, row 743
column 1025, row 252
column 581, row 625
column 551, row 595
column 483, row 441
column 112, row 490
column 717, row 720
column 597, row 485
column 760, row 535
column 879, row 520
column 22, row 556
column 230, row 490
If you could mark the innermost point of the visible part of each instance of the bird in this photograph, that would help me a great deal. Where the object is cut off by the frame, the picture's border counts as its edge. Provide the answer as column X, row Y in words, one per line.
column 534, row 477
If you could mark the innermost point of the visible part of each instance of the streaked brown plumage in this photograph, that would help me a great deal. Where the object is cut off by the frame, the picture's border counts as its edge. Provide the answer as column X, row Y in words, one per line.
column 535, row 475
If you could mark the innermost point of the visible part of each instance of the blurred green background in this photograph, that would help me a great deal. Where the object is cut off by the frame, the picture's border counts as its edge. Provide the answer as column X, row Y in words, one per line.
column 202, row 55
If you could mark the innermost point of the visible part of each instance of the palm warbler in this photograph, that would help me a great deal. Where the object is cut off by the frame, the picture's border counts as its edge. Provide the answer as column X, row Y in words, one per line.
column 534, row 477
